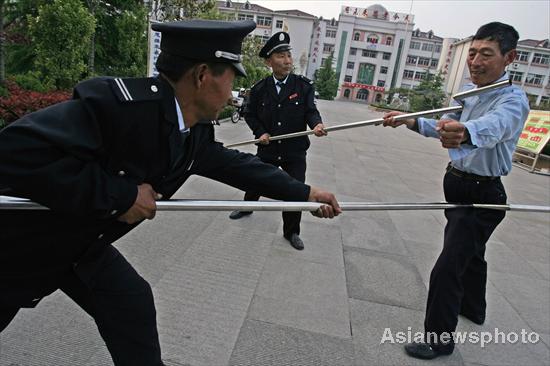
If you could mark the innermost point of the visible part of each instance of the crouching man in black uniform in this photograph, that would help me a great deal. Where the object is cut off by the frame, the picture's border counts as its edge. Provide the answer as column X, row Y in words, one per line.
column 99, row 162
column 279, row 104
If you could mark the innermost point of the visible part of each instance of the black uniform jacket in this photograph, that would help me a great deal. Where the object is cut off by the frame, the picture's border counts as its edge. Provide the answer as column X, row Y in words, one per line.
column 289, row 111
column 84, row 159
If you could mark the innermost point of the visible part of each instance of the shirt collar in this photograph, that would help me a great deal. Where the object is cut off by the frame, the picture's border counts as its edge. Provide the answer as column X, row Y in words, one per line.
column 284, row 81
column 181, row 123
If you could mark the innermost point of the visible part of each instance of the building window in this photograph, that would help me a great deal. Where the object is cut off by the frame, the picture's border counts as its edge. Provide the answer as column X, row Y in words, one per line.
column 437, row 48
column 422, row 61
column 427, row 47
column 369, row 53
column 415, row 45
column 516, row 76
column 228, row 4
column 347, row 78
column 351, row 65
column 279, row 24
column 540, row 58
column 353, row 51
column 534, row 79
column 386, row 56
column 419, row 75
column 545, row 101
column 412, row 60
column 389, row 41
column 356, row 36
column 331, row 33
column 522, row 56
column 328, row 48
column 383, row 69
column 380, row 83
column 264, row 21
column 247, row 5
column 372, row 38
column 245, row 17
column 408, row 74
column 433, row 63
column 362, row 94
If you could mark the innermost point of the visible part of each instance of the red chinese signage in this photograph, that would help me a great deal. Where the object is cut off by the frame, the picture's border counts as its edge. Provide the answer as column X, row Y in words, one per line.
column 363, row 86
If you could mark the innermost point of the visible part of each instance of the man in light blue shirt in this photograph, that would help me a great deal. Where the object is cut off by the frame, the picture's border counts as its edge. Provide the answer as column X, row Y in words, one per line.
column 481, row 140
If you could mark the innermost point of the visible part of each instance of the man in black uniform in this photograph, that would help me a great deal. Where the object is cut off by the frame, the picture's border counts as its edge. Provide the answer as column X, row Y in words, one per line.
column 99, row 162
column 279, row 104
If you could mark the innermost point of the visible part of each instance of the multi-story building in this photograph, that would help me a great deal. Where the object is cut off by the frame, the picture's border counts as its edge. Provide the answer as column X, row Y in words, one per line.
column 422, row 58
column 323, row 44
column 297, row 23
column 530, row 70
column 376, row 50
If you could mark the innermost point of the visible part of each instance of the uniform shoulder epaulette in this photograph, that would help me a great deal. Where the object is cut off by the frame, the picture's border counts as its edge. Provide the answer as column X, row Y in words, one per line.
column 258, row 84
column 136, row 89
column 309, row 81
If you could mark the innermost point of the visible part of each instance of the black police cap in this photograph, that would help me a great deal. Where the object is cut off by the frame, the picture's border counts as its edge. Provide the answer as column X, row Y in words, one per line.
column 205, row 40
column 278, row 42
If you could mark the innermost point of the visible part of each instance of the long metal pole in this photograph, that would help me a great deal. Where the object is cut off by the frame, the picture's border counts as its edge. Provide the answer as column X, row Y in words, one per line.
column 458, row 97
column 376, row 121
column 470, row 93
column 13, row 203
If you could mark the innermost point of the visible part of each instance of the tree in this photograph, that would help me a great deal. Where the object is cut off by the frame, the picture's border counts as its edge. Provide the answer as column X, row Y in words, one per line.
column 15, row 46
column 326, row 83
column 121, row 39
column 253, row 64
column 428, row 94
column 168, row 10
column 61, row 34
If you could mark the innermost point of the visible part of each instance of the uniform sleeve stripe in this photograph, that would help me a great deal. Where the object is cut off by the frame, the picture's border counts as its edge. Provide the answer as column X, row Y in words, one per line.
column 123, row 89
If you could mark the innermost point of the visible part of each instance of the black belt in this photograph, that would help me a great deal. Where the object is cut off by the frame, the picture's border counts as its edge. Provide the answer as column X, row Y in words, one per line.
column 459, row 173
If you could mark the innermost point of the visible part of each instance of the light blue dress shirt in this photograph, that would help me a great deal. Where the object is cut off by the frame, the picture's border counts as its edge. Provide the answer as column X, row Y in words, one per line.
column 494, row 120
column 181, row 122
column 277, row 86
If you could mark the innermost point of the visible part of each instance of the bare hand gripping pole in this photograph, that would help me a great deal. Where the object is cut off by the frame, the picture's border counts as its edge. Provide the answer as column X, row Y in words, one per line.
column 374, row 122
column 13, row 203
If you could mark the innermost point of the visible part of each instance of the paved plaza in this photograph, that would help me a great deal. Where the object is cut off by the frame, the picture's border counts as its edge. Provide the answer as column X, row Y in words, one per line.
column 235, row 292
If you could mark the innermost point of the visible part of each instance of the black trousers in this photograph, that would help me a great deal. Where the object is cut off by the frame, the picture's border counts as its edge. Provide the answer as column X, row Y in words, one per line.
column 296, row 168
column 121, row 303
column 458, row 279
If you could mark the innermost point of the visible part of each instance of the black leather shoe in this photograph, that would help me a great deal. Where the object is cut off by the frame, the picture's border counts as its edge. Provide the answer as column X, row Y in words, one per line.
column 235, row 215
column 423, row 351
column 296, row 242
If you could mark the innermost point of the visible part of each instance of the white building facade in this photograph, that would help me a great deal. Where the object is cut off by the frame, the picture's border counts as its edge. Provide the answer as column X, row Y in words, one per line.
column 298, row 24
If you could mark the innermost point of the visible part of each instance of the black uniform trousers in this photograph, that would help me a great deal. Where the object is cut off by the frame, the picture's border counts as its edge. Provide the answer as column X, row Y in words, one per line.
column 121, row 303
column 295, row 166
column 458, row 279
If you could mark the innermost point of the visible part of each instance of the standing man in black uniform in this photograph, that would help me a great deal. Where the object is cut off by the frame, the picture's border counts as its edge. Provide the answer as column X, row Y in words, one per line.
column 99, row 162
column 279, row 104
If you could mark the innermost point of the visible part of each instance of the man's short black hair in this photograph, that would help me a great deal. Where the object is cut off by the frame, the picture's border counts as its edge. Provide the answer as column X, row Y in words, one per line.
column 506, row 36
column 174, row 67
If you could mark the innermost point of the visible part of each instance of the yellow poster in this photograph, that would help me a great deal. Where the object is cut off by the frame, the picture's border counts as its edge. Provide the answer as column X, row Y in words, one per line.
column 536, row 132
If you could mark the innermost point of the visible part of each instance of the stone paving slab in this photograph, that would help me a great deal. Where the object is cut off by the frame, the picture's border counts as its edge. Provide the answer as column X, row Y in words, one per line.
column 306, row 295
column 266, row 344
column 502, row 316
column 383, row 278
column 529, row 296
